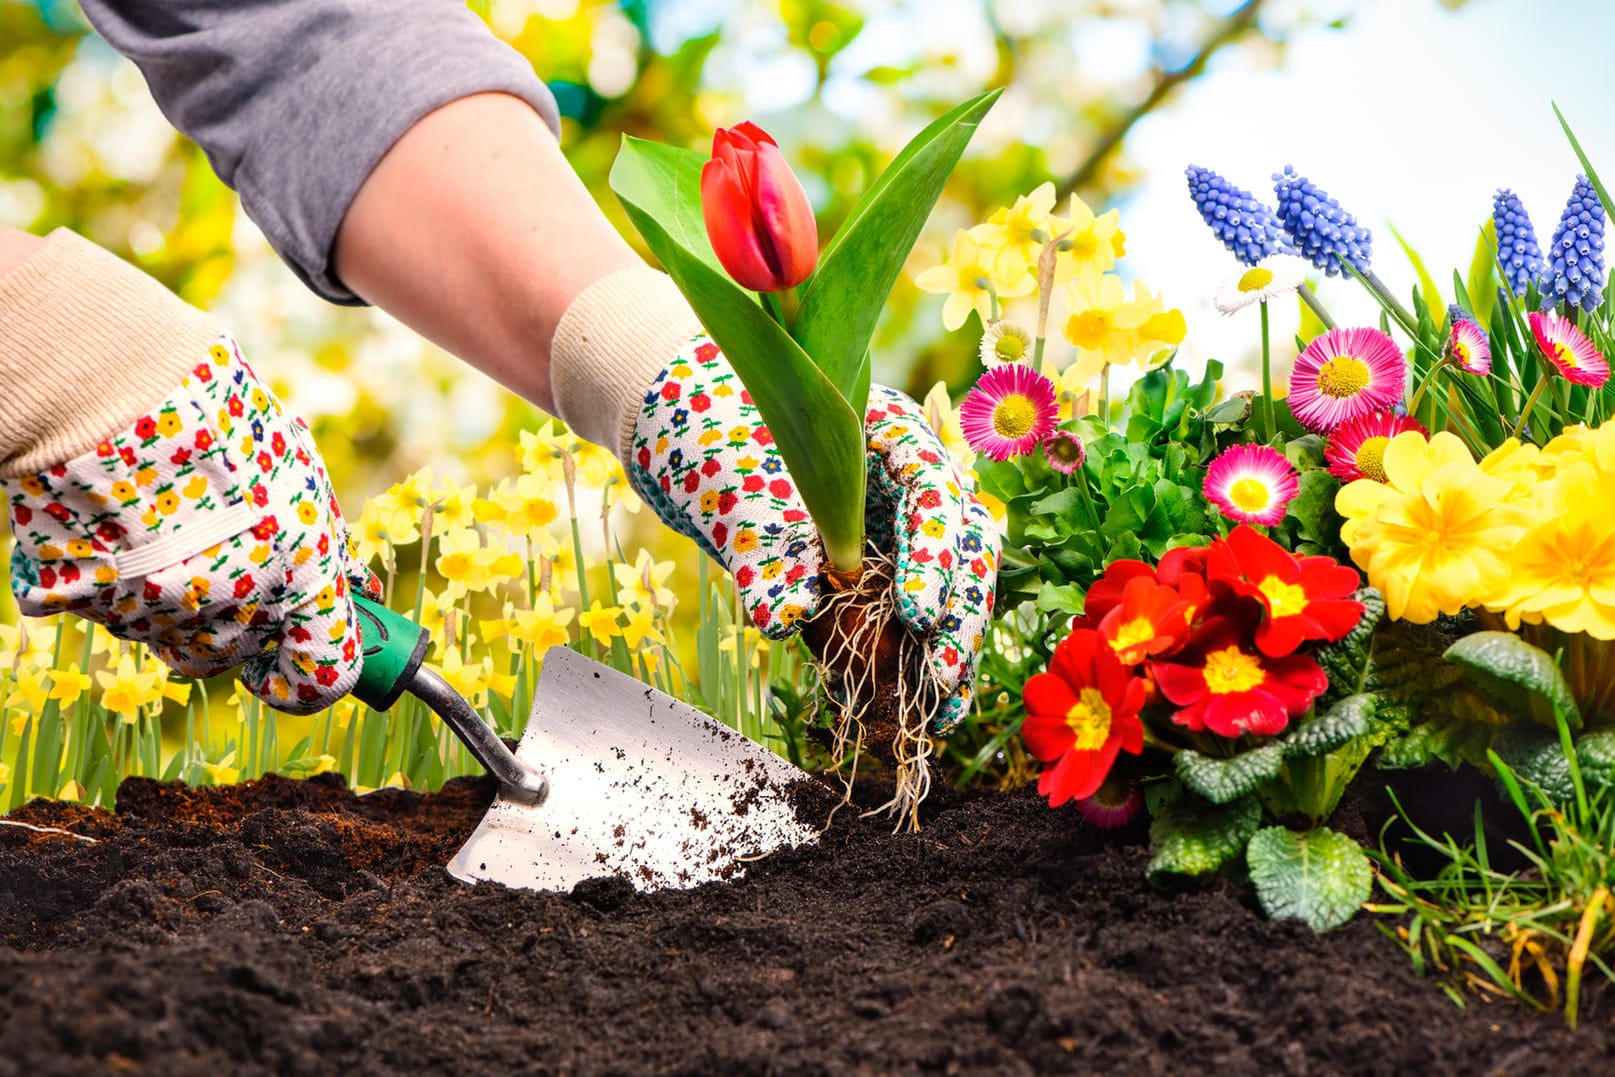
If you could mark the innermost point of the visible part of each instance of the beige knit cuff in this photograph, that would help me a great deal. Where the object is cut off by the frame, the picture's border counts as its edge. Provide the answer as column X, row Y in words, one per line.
column 88, row 344
column 610, row 344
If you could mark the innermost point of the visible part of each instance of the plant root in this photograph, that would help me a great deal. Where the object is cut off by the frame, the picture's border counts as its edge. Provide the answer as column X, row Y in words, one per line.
column 877, row 682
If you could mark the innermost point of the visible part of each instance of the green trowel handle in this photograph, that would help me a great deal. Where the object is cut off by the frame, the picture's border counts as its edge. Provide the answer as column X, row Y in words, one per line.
column 393, row 648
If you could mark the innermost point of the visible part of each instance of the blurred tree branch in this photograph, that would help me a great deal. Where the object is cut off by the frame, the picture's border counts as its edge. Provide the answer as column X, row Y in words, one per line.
column 1235, row 25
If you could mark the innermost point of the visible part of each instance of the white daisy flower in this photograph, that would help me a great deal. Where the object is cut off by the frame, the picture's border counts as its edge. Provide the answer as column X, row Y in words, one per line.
column 1279, row 274
column 1005, row 342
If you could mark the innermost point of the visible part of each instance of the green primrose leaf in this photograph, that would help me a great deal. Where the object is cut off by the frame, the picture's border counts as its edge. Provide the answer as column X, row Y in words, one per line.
column 1537, row 758
column 1425, row 745
column 843, row 299
column 819, row 436
column 1190, row 837
column 1347, row 720
column 1223, row 780
column 1507, row 666
column 1597, row 754
column 1321, row 877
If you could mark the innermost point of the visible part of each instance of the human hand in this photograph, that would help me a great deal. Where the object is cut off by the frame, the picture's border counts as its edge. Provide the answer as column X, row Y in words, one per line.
column 702, row 459
column 207, row 529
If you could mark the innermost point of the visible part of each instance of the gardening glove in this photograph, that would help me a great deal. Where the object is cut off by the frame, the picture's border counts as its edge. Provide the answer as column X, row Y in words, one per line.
column 199, row 519
column 696, row 451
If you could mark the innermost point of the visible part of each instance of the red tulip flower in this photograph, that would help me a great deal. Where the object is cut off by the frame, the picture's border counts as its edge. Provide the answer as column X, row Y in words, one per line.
column 757, row 215
column 1080, row 714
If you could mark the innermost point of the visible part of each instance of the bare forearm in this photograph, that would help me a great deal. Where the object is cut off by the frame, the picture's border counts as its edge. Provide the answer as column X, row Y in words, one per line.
column 474, row 231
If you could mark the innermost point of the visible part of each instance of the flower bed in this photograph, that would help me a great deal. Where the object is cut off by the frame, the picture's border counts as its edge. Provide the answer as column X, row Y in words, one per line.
column 291, row 927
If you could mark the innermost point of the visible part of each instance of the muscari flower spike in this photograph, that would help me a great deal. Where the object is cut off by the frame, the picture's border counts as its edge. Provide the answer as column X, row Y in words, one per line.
column 1575, row 257
column 1241, row 221
column 1517, row 251
column 1322, row 232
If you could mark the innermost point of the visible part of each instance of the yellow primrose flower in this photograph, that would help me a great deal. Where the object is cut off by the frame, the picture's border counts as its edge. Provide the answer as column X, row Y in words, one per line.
column 1017, row 234
column 968, row 278
column 601, row 622
column 1435, row 536
column 470, row 566
column 126, row 690
column 1562, row 571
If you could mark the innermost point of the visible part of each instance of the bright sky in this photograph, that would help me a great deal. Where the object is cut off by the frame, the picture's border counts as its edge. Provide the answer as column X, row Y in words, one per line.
column 1411, row 115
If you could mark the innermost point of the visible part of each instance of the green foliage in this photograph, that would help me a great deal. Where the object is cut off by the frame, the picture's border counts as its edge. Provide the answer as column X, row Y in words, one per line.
column 1345, row 722
column 1321, row 877
column 1524, row 678
column 1191, row 837
column 1223, row 780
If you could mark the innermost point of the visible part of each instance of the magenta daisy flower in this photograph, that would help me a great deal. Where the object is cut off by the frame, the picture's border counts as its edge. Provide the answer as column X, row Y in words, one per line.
column 1469, row 347
column 1356, row 448
column 1010, row 410
column 1568, row 349
column 1064, row 451
column 1118, row 802
column 1345, row 373
column 1251, row 483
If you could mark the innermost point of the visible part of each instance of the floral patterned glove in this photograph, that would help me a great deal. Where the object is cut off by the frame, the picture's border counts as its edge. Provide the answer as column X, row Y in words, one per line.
column 207, row 529
column 701, row 457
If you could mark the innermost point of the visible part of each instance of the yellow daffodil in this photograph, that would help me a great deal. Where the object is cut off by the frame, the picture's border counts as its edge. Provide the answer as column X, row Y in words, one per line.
column 1017, row 234
column 518, row 505
column 969, row 280
column 125, row 690
column 1436, row 536
column 601, row 622
column 749, row 640
column 943, row 418
column 643, row 583
column 68, row 684
column 470, row 679
column 641, row 628
column 470, row 566
column 1101, row 324
column 542, row 449
column 1096, row 241
column 224, row 772
column 453, row 506
column 541, row 627
column 386, row 521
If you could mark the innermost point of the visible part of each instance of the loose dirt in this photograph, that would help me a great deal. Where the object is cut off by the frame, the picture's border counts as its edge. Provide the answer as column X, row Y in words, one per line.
column 289, row 927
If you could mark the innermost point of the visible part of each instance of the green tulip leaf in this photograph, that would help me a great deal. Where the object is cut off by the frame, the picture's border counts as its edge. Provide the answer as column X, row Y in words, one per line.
column 1222, row 780
column 820, row 438
column 843, row 299
column 1503, row 663
column 1321, row 877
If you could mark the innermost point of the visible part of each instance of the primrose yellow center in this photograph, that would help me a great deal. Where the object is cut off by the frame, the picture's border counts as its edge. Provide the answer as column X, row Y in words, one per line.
column 1232, row 670
column 1014, row 416
column 1370, row 458
column 1089, row 719
column 1343, row 376
column 1249, row 495
column 1283, row 599
column 1255, row 279
column 1009, row 347
column 1088, row 329
column 1138, row 630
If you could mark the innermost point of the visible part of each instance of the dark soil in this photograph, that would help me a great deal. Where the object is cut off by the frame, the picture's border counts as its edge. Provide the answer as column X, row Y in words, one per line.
column 289, row 927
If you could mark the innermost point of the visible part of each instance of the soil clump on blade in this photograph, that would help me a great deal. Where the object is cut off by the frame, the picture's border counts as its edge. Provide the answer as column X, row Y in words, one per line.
column 289, row 927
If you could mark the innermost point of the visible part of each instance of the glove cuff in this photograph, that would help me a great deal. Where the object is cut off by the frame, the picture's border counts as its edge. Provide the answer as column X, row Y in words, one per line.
column 618, row 334
column 88, row 343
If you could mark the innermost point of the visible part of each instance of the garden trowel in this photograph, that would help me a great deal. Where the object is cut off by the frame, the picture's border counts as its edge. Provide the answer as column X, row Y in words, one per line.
column 611, row 777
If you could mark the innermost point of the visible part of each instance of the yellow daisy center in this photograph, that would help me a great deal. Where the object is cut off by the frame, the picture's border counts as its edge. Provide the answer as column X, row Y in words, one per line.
column 1370, row 458
column 1014, row 416
column 1460, row 352
column 1088, row 329
column 1009, row 347
column 1343, row 376
column 1283, row 599
column 1564, row 357
column 1249, row 495
column 1232, row 670
column 1255, row 279
column 1089, row 719
column 1138, row 630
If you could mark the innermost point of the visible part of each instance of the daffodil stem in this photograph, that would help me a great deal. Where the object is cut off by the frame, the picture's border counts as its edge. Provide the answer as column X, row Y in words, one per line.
column 1268, row 423
column 1530, row 402
column 1310, row 298
column 1104, row 394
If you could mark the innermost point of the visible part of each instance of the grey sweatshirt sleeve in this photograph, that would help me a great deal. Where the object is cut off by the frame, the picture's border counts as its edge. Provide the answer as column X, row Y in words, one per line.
column 295, row 101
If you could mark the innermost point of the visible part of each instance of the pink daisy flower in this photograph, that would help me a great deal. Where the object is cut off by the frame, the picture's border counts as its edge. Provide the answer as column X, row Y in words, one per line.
column 1469, row 347
column 1009, row 411
column 1345, row 373
column 1356, row 448
column 1568, row 348
column 1252, row 484
column 1064, row 451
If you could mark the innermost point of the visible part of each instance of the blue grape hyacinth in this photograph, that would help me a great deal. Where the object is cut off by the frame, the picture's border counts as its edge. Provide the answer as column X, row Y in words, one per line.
column 1241, row 221
column 1517, row 251
column 1322, row 232
column 1575, row 257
